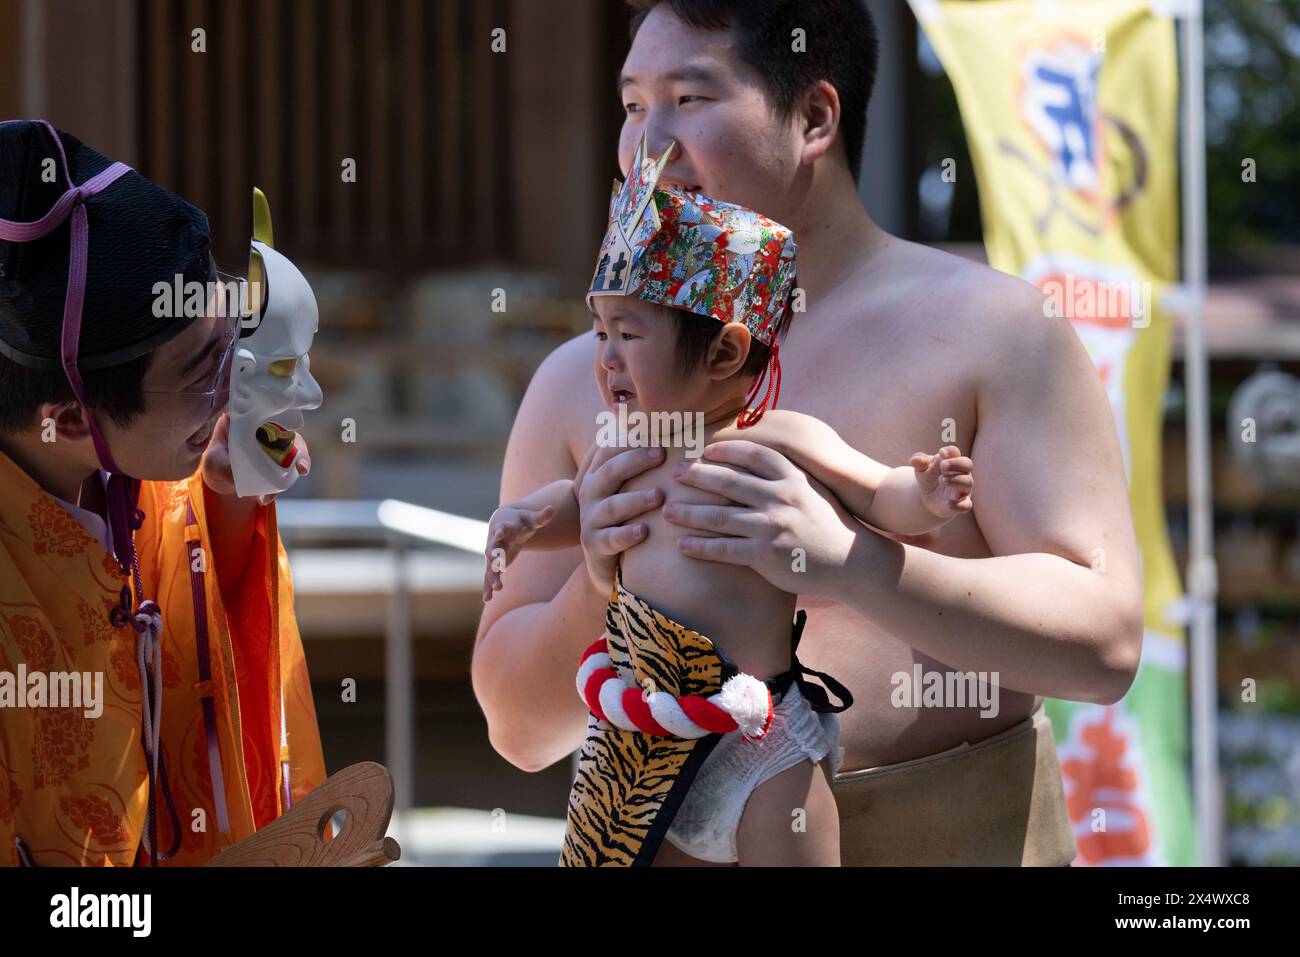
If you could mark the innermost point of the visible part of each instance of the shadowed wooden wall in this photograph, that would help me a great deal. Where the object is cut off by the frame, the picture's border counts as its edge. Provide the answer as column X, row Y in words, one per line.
column 464, row 156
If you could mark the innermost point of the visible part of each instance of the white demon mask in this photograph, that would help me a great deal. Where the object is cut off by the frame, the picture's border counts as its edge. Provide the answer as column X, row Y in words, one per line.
column 270, row 376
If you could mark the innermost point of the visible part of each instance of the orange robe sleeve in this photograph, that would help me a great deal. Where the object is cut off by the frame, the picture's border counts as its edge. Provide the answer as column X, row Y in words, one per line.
column 235, row 745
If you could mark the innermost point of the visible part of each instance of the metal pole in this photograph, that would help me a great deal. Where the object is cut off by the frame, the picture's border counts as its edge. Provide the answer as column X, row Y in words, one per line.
column 399, row 685
column 1202, row 573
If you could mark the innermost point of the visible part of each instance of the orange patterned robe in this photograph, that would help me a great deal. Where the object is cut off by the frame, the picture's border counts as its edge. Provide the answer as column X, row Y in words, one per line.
column 74, row 788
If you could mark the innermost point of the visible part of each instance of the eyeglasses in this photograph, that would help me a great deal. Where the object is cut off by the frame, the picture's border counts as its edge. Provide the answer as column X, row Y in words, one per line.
column 232, row 297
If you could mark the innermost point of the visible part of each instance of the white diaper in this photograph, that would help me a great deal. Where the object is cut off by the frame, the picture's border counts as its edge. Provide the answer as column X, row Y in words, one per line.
column 706, row 823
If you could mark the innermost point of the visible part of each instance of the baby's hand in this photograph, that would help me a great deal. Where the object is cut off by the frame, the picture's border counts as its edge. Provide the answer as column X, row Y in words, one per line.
column 945, row 480
column 508, row 529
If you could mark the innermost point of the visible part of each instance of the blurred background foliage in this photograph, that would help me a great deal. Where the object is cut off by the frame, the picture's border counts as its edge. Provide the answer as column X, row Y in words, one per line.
column 1252, row 100
column 1252, row 106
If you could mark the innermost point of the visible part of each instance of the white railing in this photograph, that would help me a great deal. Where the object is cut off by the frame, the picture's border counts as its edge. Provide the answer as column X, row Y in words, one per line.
column 398, row 524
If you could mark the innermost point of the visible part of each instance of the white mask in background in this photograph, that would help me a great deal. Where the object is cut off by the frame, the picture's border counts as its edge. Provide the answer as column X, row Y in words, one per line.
column 270, row 376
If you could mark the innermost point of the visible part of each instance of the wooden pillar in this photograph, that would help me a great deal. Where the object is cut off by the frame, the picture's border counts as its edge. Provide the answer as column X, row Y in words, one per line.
column 556, row 169
column 11, row 61
column 79, row 71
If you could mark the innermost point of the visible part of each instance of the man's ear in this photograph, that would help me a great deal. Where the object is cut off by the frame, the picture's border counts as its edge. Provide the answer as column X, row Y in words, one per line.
column 69, row 420
column 728, row 352
column 819, row 113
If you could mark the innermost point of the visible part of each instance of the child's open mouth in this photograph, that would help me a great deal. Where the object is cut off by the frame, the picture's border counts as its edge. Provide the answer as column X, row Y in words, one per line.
column 683, row 186
column 622, row 395
column 277, row 442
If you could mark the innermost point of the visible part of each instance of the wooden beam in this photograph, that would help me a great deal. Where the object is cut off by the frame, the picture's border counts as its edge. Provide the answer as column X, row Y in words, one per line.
column 412, row 103
column 554, row 170
column 10, row 61
column 309, row 161
column 87, row 46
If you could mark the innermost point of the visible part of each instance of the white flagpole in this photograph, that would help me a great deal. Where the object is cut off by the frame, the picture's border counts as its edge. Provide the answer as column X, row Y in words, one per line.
column 1202, row 573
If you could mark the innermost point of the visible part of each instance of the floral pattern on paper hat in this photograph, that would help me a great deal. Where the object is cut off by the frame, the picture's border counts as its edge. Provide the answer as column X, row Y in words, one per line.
column 691, row 252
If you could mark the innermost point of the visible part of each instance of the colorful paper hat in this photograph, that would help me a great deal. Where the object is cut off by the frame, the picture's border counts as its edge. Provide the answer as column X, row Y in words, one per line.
column 689, row 251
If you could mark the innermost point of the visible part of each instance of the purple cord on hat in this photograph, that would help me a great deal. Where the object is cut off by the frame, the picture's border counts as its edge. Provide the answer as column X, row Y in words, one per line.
column 122, row 492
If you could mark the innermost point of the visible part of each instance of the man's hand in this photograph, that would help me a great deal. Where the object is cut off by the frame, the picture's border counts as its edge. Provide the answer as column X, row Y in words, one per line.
column 233, row 520
column 945, row 481
column 604, row 508
column 509, row 529
column 785, row 525
column 217, row 473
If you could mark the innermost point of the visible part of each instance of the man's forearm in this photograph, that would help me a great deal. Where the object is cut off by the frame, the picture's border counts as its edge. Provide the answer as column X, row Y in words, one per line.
column 523, row 673
column 1048, row 626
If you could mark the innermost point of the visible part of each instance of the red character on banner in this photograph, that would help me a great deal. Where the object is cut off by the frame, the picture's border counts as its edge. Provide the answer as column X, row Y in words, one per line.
column 1101, row 775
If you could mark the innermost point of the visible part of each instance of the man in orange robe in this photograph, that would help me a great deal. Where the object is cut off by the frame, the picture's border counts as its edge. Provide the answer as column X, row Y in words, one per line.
column 195, row 724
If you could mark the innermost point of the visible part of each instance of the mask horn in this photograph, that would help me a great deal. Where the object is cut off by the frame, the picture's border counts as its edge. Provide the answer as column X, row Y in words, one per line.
column 256, row 268
column 256, row 283
column 262, row 218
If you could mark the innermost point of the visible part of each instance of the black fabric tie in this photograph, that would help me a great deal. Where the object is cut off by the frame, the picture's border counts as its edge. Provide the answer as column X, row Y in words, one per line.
column 815, row 694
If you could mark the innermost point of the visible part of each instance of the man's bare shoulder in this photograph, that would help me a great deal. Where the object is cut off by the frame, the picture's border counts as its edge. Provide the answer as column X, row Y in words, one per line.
column 562, row 367
column 1020, row 348
column 1000, row 316
column 564, row 383
column 969, row 292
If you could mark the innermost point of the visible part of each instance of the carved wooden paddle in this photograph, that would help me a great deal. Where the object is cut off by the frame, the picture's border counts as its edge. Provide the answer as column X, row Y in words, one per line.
column 296, row 838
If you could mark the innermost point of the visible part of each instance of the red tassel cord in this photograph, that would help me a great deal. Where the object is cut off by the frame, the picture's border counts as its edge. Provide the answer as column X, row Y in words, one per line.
column 772, row 375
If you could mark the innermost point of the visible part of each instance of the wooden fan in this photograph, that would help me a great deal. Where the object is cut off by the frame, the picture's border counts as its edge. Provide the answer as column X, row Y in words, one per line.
column 297, row 838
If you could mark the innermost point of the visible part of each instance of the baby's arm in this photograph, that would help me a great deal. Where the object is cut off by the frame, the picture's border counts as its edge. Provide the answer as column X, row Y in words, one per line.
column 547, row 519
column 549, row 516
column 908, row 500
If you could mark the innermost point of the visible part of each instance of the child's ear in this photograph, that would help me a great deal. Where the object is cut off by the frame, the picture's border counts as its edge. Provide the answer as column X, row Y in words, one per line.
column 728, row 352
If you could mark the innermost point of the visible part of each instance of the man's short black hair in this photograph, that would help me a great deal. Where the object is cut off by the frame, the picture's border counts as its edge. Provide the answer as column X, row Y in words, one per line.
column 840, row 46
column 695, row 333
column 114, row 391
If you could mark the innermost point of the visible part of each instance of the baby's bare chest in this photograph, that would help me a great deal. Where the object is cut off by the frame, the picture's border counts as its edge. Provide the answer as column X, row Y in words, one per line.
column 661, row 477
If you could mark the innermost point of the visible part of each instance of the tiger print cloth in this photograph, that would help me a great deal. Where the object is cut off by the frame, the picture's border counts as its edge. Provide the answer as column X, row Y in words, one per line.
column 629, row 784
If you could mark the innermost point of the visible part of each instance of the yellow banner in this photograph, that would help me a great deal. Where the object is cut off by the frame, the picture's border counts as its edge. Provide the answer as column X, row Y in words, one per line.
column 1070, row 110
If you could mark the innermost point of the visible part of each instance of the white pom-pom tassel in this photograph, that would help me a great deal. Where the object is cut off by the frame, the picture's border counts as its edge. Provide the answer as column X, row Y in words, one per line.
column 748, row 701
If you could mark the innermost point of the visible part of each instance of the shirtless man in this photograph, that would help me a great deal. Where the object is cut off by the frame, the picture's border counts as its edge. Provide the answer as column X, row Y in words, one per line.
column 1015, row 588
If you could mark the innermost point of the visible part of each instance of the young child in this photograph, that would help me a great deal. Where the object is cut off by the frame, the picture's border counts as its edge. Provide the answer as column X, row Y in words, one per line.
column 685, row 742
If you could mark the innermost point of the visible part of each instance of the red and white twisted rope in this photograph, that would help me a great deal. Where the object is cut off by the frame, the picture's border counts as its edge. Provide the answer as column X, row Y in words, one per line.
column 744, row 703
